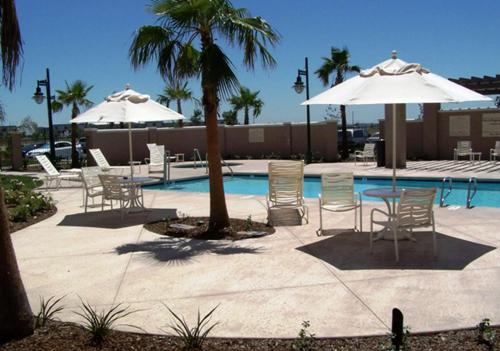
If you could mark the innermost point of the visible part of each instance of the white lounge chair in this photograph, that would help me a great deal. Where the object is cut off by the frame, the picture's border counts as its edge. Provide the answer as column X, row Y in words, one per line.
column 415, row 210
column 156, row 156
column 53, row 175
column 103, row 163
column 367, row 153
column 337, row 195
column 463, row 149
column 114, row 190
column 91, row 183
column 286, row 187
column 494, row 153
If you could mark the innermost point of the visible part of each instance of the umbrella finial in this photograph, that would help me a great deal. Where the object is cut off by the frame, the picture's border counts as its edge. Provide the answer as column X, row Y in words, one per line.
column 127, row 86
column 394, row 54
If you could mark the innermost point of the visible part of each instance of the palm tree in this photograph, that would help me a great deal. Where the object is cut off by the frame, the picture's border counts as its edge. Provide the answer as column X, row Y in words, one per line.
column 186, row 44
column 175, row 91
column 75, row 96
column 230, row 117
column 16, row 317
column 338, row 64
column 245, row 101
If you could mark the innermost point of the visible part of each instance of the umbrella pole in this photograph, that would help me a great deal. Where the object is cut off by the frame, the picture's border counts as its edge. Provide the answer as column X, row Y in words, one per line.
column 393, row 147
column 130, row 151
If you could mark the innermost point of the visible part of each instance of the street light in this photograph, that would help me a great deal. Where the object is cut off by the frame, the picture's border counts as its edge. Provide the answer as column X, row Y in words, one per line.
column 299, row 88
column 39, row 97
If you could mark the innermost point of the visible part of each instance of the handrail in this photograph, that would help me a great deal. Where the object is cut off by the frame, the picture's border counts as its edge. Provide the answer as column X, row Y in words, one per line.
column 166, row 167
column 443, row 196
column 197, row 156
column 472, row 183
column 224, row 163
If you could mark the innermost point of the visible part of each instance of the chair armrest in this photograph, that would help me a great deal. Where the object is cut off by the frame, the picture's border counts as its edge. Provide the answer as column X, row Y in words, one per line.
column 376, row 210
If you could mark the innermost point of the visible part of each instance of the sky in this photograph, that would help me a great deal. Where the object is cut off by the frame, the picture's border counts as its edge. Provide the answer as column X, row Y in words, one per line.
column 89, row 40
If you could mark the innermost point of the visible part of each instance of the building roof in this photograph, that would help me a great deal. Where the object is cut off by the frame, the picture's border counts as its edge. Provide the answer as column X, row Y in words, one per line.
column 486, row 85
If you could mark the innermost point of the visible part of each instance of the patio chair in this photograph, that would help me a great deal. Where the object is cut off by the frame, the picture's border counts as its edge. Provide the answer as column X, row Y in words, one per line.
column 415, row 210
column 463, row 149
column 337, row 195
column 114, row 190
column 367, row 153
column 92, row 184
column 286, row 187
column 494, row 153
column 53, row 175
column 156, row 156
column 103, row 163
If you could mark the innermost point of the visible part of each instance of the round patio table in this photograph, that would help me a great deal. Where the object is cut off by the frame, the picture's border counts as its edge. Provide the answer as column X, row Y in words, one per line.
column 134, row 185
column 388, row 195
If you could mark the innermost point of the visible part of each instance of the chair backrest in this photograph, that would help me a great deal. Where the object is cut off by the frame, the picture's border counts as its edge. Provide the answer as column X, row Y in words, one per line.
column 156, row 153
column 415, row 207
column 90, row 177
column 497, row 145
column 286, row 182
column 463, row 146
column 47, row 165
column 337, row 188
column 111, row 187
column 369, row 149
column 99, row 158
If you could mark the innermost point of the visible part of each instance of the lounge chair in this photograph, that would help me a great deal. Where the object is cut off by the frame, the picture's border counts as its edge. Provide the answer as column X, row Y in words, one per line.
column 367, row 153
column 114, row 190
column 337, row 195
column 463, row 149
column 91, row 183
column 53, row 175
column 103, row 163
column 494, row 153
column 415, row 210
column 286, row 187
column 156, row 156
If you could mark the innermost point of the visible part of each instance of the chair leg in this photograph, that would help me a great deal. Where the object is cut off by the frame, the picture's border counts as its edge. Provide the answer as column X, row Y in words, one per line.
column 86, row 201
column 434, row 242
column 371, row 234
column 319, row 232
column 395, row 233
column 361, row 217
column 355, row 218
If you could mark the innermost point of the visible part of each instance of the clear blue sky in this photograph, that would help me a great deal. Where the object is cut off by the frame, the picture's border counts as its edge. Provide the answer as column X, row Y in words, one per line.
column 89, row 40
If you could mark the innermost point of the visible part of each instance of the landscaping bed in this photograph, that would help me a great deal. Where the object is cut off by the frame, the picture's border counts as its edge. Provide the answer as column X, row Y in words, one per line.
column 197, row 228
column 67, row 336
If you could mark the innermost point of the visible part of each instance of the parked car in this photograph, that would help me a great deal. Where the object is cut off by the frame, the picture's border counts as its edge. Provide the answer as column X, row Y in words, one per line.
column 373, row 138
column 63, row 150
column 354, row 136
column 30, row 147
column 83, row 143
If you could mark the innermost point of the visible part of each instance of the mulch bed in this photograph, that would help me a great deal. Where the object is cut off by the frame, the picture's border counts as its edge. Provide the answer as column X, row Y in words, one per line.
column 200, row 230
column 67, row 336
column 40, row 216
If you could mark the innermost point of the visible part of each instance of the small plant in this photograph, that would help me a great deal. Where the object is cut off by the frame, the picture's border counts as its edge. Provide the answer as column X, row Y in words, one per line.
column 100, row 324
column 388, row 346
column 248, row 223
column 486, row 334
column 48, row 309
column 193, row 338
column 306, row 340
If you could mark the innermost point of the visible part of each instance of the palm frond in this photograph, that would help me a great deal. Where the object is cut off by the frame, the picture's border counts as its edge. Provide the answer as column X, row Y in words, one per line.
column 220, row 76
column 10, row 41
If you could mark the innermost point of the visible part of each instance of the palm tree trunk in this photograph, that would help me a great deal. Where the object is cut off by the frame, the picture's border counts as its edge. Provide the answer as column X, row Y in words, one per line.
column 344, row 153
column 75, row 162
column 179, row 109
column 247, row 119
column 16, row 318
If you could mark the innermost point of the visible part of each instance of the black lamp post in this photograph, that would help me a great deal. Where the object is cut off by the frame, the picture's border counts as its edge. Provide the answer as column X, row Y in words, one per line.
column 38, row 97
column 299, row 88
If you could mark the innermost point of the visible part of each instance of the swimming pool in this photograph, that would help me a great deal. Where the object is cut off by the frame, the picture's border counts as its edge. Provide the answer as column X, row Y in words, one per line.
column 488, row 193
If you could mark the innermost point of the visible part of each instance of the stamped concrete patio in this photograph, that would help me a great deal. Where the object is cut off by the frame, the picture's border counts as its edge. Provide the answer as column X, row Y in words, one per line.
column 264, row 287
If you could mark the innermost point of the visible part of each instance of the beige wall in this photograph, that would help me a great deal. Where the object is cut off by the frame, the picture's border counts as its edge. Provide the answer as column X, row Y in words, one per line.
column 283, row 140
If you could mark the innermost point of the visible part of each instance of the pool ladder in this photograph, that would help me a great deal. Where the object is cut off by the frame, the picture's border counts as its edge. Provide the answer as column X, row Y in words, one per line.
column 224, row 163
column 471, row 191
column 197, row 158
column 442, row 198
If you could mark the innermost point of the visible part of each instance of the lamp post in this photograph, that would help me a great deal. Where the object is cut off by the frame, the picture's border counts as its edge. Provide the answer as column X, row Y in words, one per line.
column 39, row 97
column 299, row 88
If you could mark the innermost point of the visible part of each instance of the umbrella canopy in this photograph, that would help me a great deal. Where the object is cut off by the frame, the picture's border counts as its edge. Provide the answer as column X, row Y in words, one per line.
column 395, row 82
column 127, row 106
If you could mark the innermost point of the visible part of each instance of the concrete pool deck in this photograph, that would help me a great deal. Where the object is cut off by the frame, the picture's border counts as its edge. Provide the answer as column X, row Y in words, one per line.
column 265, row 287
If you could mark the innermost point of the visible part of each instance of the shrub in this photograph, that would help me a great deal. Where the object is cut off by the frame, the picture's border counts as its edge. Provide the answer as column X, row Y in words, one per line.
column 305, row 341
column 486, row 334
column 248, row 223
column 48, row 309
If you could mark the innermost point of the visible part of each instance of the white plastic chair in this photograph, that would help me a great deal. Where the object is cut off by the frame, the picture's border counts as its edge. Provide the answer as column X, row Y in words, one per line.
column 494, row 153
column 92, row 184
column 156, row 156
column 367, row 153
column 103, row 163
column 53, row 175
column 337, row 195
column 114, row 190
column 415, row 210
column 463, row 149
column 286, row 187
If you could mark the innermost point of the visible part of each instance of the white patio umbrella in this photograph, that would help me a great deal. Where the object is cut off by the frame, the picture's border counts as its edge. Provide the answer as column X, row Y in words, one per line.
column 395, row 82
column 127, row 106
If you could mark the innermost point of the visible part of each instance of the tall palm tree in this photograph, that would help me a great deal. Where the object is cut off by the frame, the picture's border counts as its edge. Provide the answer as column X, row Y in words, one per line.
column 245, row 101
column 177, row 91
column 338, row 64
column 186, row 44
column 75, row 96
column 16, row 317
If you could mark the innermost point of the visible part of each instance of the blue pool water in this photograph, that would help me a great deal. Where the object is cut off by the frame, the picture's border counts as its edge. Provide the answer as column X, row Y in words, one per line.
column 488, row 193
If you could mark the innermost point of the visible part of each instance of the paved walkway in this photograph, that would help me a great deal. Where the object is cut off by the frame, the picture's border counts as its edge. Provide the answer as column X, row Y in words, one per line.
column 264, row 287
